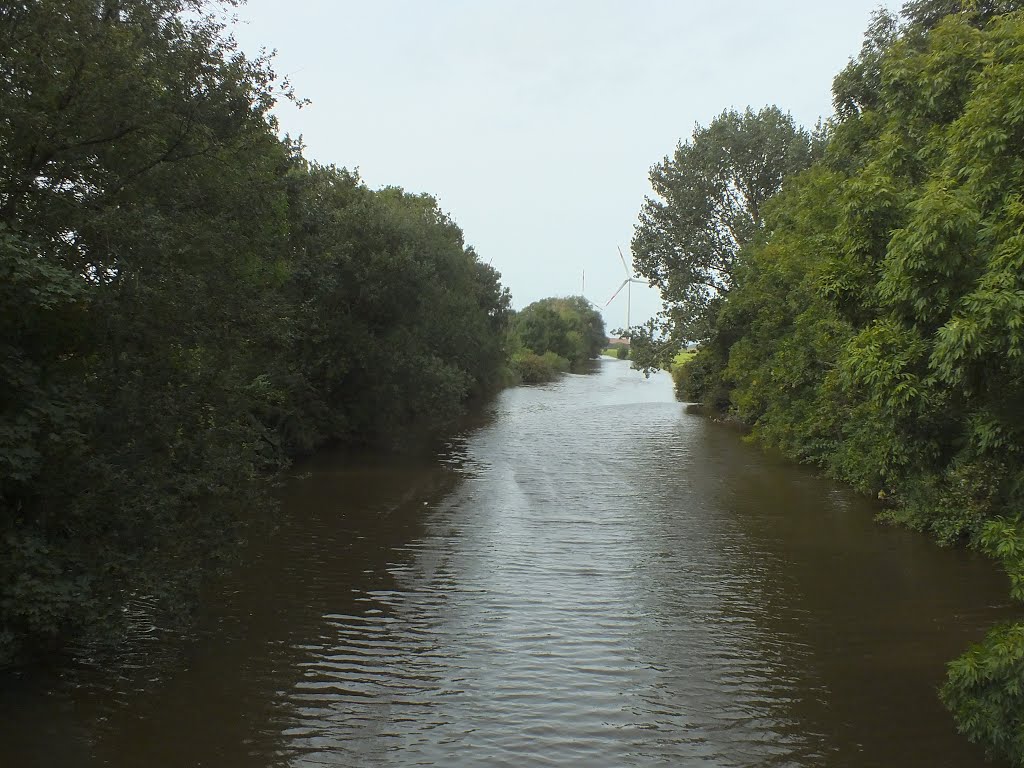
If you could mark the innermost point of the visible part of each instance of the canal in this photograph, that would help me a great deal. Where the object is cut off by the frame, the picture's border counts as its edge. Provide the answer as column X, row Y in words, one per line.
column 589, row 576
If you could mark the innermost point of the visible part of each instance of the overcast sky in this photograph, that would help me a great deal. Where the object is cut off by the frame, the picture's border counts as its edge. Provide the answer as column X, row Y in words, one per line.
column 535, row 123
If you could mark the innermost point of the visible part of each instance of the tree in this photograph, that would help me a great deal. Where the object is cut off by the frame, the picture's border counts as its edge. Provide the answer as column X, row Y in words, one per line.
column 185, row 304
column 878, row 328
column 565, row 332
column 140, row 219
column 708, row 204
column 925, row 14
column 394, row 324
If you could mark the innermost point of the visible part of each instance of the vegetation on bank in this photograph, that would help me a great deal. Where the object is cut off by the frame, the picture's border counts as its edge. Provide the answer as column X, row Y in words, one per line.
column 552, row 336
column 679, row 367
column 618, row 351
column 186, row 303
column 869, row 316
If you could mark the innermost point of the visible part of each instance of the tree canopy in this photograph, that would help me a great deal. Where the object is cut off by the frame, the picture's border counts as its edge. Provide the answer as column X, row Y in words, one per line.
column 555, row 334
column 186, row 303
column 708, row 203
column 876, row 328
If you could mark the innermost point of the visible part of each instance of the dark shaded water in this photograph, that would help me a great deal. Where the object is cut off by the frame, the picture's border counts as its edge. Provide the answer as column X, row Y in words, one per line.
column 592, row 577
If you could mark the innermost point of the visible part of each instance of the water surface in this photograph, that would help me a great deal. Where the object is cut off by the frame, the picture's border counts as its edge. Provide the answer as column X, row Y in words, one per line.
column 593, row 576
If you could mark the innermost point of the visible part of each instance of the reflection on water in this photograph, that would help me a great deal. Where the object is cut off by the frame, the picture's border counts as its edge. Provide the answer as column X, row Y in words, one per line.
column 592, row 577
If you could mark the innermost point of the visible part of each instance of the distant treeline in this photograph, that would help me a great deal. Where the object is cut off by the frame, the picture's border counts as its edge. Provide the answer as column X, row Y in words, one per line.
column 858, row 294
column 185, row 303
column 552, row 336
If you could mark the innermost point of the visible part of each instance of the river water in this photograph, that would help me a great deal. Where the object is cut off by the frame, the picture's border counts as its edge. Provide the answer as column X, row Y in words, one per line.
column 591, row 576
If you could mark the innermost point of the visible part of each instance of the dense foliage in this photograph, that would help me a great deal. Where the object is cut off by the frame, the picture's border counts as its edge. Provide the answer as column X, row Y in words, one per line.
column 878, row 328
column 185, row 303
column 392, row 323
column 555, row 335
column 707, row 206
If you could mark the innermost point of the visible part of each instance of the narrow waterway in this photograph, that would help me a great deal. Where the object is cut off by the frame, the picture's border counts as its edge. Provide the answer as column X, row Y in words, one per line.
column 591, row 576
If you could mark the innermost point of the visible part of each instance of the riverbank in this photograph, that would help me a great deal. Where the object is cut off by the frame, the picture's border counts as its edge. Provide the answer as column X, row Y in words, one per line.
column 870, row 319
column 985, row 676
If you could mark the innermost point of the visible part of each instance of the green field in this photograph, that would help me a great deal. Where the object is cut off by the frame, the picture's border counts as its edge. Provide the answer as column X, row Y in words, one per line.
column 683, row 357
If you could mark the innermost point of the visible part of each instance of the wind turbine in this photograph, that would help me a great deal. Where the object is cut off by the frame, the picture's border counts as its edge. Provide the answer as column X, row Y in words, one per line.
column 627, row 284
column 583, row 292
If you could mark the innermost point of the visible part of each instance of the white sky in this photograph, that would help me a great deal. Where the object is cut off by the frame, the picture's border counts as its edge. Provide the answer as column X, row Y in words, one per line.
column 535, row 123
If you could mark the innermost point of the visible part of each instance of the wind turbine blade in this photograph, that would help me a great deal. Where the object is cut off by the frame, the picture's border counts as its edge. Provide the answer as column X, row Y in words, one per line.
column 624, row 284
column 629, row 272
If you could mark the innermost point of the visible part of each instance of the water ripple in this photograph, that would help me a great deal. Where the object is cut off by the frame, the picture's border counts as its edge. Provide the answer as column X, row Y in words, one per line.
column 549, row 616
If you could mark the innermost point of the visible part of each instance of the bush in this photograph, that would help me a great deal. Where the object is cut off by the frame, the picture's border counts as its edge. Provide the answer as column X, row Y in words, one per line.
column 699, row 380
column 985, row 693
column 531, row 368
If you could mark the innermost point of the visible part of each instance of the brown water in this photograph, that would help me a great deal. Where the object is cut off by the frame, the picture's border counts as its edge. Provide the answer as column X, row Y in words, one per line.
column 591, row 577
